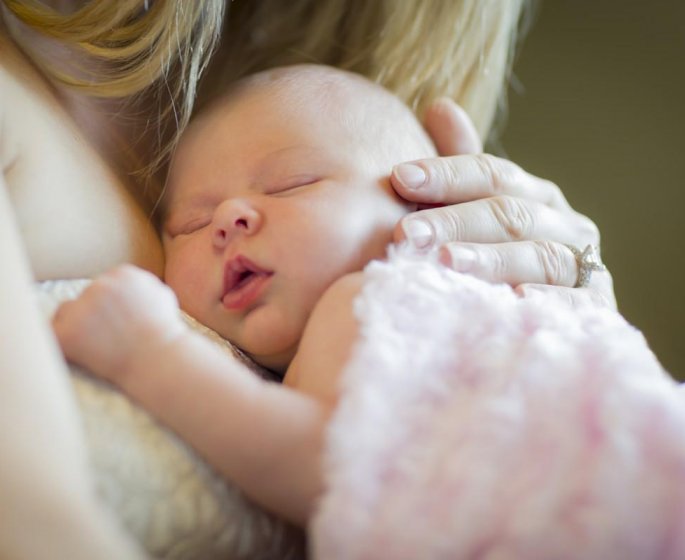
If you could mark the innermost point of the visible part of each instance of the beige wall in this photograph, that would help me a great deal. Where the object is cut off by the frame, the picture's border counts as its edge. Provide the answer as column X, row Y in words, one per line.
column 602, row 113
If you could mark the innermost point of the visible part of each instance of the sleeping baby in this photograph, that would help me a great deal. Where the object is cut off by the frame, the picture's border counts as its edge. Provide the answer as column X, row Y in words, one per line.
column 278, row 196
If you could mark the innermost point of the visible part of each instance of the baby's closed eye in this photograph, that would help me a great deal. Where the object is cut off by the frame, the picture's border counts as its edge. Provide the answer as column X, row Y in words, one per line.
column 291, row 183
column 188, row 226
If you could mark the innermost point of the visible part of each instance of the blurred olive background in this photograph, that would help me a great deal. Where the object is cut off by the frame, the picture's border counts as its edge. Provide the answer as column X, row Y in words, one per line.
column 597, row 105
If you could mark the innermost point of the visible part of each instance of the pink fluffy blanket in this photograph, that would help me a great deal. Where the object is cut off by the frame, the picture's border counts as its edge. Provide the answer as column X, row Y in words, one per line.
column 477, row 424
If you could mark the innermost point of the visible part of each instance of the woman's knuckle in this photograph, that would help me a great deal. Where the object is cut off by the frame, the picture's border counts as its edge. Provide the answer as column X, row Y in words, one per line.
column 556, row 195
column 490, row 170
column 514, row 216
column 552, row 261
column 499, row 173
column 497, row 264
column 446, row 173
column 589, row 230
column 449, row 225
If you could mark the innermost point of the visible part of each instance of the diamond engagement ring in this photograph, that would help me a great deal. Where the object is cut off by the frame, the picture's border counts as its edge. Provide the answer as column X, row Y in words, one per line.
column 588, row 261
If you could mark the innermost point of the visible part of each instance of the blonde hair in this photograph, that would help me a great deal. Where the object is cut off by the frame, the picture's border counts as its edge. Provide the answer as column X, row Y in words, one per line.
column 418, row 49
column 133, row 45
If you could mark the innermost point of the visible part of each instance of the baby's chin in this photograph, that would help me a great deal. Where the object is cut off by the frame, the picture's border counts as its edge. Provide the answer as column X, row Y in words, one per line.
column 270, row 335
column 277, row 362
column 274, row 355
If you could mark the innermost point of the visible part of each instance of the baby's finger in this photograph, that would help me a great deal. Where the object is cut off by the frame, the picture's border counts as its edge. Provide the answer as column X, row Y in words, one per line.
column 463, row 178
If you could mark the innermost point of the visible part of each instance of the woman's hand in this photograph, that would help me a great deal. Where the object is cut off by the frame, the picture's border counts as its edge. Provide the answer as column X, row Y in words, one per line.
column 492, row 219
column 122, row 316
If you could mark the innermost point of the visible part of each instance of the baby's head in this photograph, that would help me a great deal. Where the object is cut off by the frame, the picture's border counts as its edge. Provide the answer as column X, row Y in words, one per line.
column 278, row 189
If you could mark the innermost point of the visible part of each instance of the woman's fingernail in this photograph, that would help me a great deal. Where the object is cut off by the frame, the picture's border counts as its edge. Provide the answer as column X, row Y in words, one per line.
column 461, row 259
column 418, row 232
column 410, row 175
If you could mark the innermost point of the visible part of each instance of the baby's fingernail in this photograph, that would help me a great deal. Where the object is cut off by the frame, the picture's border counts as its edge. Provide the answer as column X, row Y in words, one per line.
column 418, row 232
column 410, row 175
column 461, row 259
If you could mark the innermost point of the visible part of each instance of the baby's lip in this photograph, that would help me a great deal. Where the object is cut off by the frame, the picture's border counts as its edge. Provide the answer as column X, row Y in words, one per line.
column 240, row 271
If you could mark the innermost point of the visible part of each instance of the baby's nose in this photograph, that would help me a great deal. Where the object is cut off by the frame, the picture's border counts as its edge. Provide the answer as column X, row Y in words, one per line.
column 234, row 217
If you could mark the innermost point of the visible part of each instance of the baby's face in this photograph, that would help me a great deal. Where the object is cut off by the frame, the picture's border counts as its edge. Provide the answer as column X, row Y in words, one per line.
column 268, row 205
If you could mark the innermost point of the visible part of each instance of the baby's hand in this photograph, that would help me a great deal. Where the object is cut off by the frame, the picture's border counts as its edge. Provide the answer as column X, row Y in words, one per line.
column 120, row 318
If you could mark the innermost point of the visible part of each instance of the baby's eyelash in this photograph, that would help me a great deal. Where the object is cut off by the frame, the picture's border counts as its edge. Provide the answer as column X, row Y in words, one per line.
column 294, row 183
column 189, row 227
column 196, row 225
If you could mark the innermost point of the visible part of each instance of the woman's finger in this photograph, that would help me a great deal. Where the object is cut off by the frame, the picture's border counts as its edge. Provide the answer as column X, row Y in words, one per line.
column 537, row 262
column 523, row 264
column 451, row 129
column 464, row 178
column 595, row 296
column 495, row 220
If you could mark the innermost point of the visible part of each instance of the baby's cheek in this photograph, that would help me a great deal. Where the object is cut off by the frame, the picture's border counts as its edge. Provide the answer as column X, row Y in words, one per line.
column 172, row 268
column 182, row 275
column 191, row 297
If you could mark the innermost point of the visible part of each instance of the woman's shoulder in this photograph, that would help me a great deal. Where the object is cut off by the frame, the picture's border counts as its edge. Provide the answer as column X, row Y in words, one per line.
column 73, row 203
column 25, row 98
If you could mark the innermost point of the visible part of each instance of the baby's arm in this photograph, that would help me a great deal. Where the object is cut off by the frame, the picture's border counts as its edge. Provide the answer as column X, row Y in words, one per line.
column 264, row 437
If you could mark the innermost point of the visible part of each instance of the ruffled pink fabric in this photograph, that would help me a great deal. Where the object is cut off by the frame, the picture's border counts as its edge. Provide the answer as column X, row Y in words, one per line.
column 477, row 424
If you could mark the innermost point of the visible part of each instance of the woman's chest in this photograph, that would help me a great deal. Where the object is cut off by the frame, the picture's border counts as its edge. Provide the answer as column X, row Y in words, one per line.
column 74, row 211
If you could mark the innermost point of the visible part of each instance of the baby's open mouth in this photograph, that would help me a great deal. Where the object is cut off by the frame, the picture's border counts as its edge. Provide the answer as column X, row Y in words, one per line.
column 243, row 282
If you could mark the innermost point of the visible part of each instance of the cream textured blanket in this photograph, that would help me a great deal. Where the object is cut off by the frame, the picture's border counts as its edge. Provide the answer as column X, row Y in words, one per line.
column 476, row 424
column 163, row 493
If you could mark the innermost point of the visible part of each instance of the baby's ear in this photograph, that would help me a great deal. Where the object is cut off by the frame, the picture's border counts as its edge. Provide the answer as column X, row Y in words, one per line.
column 451, row 129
